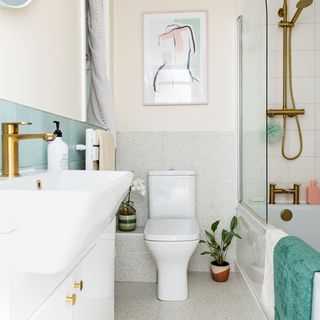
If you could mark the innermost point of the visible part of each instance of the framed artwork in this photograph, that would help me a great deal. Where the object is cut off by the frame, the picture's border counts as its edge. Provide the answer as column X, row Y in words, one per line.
column 175, row 58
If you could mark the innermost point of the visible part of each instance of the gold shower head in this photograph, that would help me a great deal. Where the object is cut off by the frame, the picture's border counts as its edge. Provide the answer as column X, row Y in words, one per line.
column 304, row 3
column 300, row 6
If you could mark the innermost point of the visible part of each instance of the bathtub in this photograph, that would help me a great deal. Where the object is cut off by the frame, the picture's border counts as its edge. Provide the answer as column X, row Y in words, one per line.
column 304, row 224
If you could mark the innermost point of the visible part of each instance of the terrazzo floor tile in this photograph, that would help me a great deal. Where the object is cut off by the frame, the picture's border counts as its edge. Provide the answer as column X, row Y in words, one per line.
column 208, row 300
column 135, row 301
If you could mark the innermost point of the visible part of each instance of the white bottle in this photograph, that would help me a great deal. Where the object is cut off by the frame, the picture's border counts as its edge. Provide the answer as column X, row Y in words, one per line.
column 58, row 158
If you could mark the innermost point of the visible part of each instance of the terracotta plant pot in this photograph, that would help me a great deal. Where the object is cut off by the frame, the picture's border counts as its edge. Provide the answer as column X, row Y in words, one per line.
column 127, row 222
column 220, row 273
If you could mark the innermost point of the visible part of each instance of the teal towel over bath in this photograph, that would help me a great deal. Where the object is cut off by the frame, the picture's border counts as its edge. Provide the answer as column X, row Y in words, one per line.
column 295, row 263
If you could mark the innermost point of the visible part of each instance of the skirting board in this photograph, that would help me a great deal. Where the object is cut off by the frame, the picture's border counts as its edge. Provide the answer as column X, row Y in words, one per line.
column 254, row 304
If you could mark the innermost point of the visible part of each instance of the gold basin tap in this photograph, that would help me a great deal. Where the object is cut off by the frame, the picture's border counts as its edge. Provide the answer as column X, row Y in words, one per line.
column 295, row 191
column 10, row 146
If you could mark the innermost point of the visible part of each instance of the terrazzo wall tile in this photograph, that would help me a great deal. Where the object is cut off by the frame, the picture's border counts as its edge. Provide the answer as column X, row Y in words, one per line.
column 135, row 268
column 33, row 153
column 211, row 154
column 133, row 262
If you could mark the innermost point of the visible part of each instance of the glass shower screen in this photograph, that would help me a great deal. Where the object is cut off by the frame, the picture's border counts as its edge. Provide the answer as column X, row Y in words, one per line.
column 252, row 66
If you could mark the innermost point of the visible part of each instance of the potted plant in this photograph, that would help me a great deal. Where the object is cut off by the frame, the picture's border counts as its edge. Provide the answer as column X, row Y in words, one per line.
column 127, row 213
column 220, row 268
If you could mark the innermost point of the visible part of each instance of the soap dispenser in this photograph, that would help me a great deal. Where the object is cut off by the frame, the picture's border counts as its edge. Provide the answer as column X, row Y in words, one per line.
column 313, row 193
column 57, row 152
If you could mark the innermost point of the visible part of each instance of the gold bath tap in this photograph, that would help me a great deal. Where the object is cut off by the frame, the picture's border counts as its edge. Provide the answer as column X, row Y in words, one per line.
column 10, row 146
column 273, row 191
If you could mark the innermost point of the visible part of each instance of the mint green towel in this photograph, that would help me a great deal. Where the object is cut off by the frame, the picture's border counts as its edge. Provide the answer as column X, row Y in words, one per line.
column 295, row 263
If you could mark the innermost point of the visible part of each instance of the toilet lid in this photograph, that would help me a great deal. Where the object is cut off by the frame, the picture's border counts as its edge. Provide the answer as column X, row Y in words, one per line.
column 171, row 230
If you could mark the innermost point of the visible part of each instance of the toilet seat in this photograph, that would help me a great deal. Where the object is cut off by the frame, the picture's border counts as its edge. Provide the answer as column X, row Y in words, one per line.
column 170, row 230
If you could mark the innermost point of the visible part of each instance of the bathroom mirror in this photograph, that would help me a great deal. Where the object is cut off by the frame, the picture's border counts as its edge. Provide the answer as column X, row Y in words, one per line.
column 14, row 4
column 43, row 56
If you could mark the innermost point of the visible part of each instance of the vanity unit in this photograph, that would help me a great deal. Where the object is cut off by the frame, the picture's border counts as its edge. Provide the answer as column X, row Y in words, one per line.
column 83, row 291
column 57, row 233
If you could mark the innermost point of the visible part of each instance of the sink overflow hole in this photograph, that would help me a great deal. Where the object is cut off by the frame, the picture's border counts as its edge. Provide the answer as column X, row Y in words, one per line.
column 39, row 185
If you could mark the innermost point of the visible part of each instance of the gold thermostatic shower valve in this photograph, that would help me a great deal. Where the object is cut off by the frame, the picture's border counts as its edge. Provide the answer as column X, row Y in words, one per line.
column 285, row 112
column 287, row 27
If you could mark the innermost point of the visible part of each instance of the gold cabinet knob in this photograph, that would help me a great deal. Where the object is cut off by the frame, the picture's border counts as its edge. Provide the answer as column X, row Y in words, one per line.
column 78, row 285
column 72, row 299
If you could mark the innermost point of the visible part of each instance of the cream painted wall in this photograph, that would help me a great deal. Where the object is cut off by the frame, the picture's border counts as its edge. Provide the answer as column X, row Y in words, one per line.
column 219, row 114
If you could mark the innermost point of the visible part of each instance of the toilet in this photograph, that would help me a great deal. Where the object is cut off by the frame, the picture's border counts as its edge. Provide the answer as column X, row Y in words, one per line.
column 172, row 232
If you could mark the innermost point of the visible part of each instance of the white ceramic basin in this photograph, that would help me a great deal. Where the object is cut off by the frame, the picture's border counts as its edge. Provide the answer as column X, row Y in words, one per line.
column 50, row 228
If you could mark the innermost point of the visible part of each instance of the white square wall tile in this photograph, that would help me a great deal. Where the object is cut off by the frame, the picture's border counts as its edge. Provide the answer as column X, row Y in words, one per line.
column 273, row 7
column 302, row 170
column 303, row 37
column 317, row 143
column 307, row 121
column 317, row 36
column 317, row 11
column 303, row 90
column 303, row 63
column 275, row 93
column 317, row 175
column 308, row 139
column 274, row 38
column 317, row 90
column 274, row 149
column 317, row 62
column 317, row 116
column 278, row 169
column 275, row 64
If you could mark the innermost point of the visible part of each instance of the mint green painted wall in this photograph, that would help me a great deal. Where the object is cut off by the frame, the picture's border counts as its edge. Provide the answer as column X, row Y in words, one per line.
column 33, row 153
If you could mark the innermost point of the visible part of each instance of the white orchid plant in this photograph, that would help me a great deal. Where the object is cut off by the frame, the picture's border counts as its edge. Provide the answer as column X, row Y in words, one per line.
column 126, row 207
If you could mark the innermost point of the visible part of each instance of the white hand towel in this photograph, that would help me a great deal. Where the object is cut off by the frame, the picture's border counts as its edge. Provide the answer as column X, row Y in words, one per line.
column 273, row 235
column 107, row 150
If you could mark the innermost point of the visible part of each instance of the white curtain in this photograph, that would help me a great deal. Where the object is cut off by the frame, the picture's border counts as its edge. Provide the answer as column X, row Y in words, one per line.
column 101, row 110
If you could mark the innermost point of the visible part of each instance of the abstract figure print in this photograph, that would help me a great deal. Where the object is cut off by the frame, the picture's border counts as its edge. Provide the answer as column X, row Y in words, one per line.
column 175, row 58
